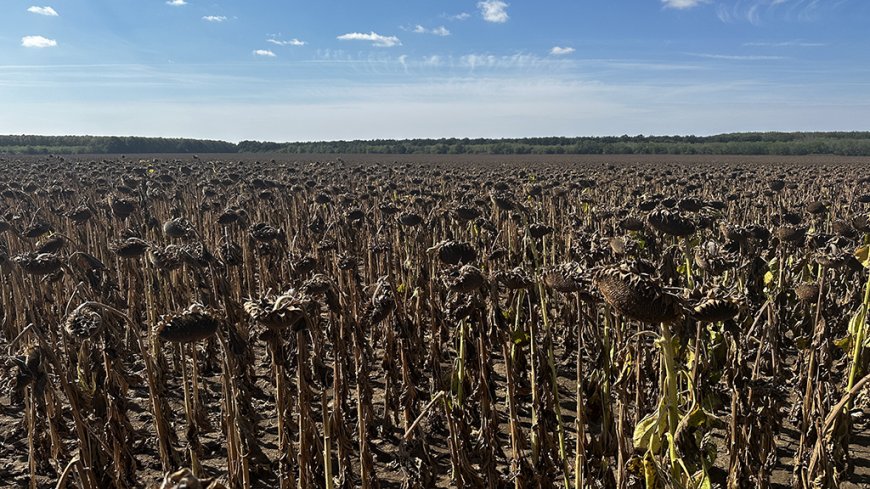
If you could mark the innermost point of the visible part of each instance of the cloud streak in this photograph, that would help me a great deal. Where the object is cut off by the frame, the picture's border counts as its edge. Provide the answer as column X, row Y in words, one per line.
column 291, row 42
column 37, row 42
column 682, row 4
column 459, row 17
column 376, row 39
column 214, row 18
column 785, row 44
column 754, row 11
column 47, row 11
column 264, row 53
column 176, row 3
column 494, row 11
column 737, row 57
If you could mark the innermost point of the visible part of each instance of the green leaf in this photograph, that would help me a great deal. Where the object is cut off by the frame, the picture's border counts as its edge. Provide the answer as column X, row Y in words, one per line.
column 844, row 343
column 701, row 480
column 650, row 472
column 648, row 432
column 857, row 321
column 701, row 417
column 641, row 243
column 773, row 264
column 520, row 337
column 697, row 417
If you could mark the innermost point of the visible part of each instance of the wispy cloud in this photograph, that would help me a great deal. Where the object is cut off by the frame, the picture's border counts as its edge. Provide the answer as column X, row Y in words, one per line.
column 437, row 31
column 460, row 16
column 291, row 42
column 754, row 11
column 494, row 11
column 264, row 52
column 37, row 42
column 375, row 38
column 469, row 64
column 737, row 57
column 176, row 3
column 561, row 51
column 682, row 4
column 433, row 60
column 47, row 11
column 214, row 18
column 785, row 44
column 518, row 61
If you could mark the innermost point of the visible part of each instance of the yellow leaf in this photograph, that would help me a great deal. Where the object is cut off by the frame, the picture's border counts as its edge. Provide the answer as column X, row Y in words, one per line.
column 768, row 278
column 648, row 432
column 863, row 255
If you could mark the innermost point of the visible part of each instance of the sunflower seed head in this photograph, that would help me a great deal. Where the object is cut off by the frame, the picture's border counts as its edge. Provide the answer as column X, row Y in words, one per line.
column 637, row 295
column 193, row 324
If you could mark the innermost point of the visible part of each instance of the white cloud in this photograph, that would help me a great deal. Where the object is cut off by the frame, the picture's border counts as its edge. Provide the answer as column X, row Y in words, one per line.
column 214, row 18
column 682, row 4
column 176, row 3
column 48, row 11
column 375, row 38
column 494, row 11
column 291, row 42
column 37, row 42
column 460, row 16
column 437, row 31
column 440, row 31
column 264, row 52
column 561, row 51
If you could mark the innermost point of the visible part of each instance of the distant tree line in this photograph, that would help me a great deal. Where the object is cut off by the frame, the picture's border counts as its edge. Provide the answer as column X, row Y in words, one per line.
column 109, row 145
column 766, row 143
column 754, row 143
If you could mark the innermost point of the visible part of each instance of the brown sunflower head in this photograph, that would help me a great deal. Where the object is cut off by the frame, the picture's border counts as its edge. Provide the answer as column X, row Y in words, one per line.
column 38, row 263
column 83, row 323
column 569, row 278
column 193, row 324
column 671, row 223
column 178, row 227
column 130, row 248
column 290, row 310
column 714, row 309
column 465, row 279
column 455, row 252
column 807, row 292
column 515, row 279
column 635, row 294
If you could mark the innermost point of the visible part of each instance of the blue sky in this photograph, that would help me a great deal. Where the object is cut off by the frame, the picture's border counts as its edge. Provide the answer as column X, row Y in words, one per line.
column 345, row 69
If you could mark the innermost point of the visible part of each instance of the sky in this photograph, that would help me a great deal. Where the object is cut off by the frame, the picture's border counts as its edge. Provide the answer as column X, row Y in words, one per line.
column 293, row 70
